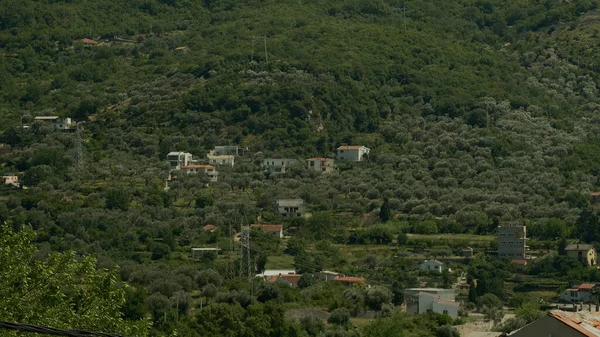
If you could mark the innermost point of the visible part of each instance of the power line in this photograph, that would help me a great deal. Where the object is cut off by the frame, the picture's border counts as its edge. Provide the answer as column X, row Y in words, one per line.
column 52, row 331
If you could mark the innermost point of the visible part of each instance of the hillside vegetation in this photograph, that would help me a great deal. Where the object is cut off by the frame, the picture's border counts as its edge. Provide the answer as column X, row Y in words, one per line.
column 477, row 112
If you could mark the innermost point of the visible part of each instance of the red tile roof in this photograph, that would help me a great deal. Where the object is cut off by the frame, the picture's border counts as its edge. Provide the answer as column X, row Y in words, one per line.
column 270, row 228
column 350, row 147
column 293, row 279
column 595, row 194
column 585, row 323
column 350, row 279
column 87, row 41
column 197, row 166
column 586, row 286
column 319, row 159
column 521, row 262
column 209, row 227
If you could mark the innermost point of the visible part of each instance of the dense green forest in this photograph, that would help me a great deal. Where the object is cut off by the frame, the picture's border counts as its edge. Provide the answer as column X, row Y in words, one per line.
column 477, row 112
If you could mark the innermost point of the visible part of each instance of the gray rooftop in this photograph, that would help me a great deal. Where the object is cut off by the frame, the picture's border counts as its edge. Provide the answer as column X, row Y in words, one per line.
column 579, row 246
column 289, row 202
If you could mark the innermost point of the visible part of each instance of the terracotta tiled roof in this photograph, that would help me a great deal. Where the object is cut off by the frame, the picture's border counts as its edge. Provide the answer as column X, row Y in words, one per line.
column 585, row 323
column 595, row 194
column 319, row 159
column 350, row 147
column 350, row 279
column 521, row 262
column 270, row 228
column 198, row 166
column 293, row 279
column 586, row 286
column 209, row 227
column 88, row 41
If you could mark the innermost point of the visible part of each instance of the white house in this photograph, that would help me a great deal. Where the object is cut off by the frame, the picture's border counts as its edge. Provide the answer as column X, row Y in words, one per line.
column 179, row 159
column 58, row 122
column 352, row 152
column 226, row 160
column 423, row 300
column 278, row 166
column 327, row 275
column 289, row 207
column 320, row 164
column 209, row 170
column 582, row 293
column 11, row 180
column 276, row 230
column 432, row 265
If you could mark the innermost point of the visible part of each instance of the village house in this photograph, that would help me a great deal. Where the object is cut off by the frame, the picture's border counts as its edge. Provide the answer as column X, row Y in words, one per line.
column 350, row 281
column 276, row 230
column 275, row 272
column 290, row 280
column 512, row 242
column 432, row 265
column 320, row 164
column 58, row 122
column 423, row 300
column 580, row 294
column 467, row 252
column 352, row 153
column 594, row 197
column 228, row 150
column 278, row 166
column 520, row 264
column 327, row 275
column 11, row 180
column 558, row 323
column 583, row 252
column 209, row 170
column 225, row 160
column 289, row 207
column 88, row 42
column 179, row 159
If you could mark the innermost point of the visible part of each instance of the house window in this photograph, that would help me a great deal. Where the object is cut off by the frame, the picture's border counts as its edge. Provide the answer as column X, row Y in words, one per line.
column 579, row 255
column 573, row 294
column 445, row 312
column 312, row 163
column 341, row 151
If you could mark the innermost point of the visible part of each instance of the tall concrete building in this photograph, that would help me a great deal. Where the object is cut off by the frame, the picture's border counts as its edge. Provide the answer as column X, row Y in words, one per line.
column 512, row 241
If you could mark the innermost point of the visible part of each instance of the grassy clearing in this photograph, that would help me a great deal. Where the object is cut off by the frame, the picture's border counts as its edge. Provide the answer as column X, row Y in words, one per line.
column 280, row 262
column 461, row 237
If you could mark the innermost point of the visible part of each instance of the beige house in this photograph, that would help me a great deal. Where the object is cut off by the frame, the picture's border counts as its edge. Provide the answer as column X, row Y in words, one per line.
column 582, row 252
column 352, row 152
column 290, row 207
column 320, row 164
column 225, row 160
column 560, row 323
column 58, row 122
column 278, row 166
column 512, row 242
column 11, row 180
column 209, row 170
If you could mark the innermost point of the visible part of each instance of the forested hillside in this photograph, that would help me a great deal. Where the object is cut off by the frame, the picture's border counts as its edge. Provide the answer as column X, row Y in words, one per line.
column 477, row 112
